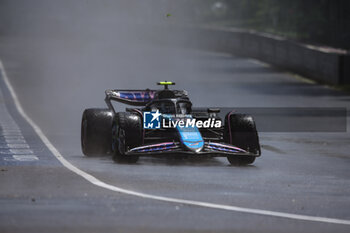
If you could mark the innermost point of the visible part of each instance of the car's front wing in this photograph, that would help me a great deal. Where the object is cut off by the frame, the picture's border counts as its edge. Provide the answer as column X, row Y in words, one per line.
column 210, row 148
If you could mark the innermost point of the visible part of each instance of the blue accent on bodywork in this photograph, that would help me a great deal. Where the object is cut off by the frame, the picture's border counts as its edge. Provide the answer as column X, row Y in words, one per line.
column 136, row 96
column 191, row 138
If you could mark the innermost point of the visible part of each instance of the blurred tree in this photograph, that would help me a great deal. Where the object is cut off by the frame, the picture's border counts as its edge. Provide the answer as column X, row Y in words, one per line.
column 318, row 21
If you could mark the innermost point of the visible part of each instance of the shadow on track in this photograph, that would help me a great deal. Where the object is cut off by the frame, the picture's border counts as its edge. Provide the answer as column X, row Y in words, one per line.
column 173, row 161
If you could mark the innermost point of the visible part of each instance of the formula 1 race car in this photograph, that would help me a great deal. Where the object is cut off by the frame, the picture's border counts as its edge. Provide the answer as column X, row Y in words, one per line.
column 166, row 124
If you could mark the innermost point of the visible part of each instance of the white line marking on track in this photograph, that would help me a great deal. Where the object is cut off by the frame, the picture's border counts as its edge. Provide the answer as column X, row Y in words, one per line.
column 13, row 137
column 21, row 151
column 102, row 184
column 25, row 158
column 15, row 141
column 18, row 146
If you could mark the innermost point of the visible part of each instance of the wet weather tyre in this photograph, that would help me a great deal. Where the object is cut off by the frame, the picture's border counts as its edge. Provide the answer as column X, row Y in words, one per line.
column 240, row 131
column 241, row 160
column 127, row 133
column 96, row 128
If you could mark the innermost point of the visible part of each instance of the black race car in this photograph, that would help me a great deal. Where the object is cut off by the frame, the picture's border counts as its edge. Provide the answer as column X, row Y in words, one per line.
column 165, row 124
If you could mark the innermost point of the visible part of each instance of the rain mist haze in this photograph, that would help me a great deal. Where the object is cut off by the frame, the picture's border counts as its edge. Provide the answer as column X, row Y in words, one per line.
column 77, row 49
column 61, row 55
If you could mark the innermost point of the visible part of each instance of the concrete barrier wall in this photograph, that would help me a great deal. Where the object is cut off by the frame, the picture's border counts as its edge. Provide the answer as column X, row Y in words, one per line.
column 324, row 65
column 346, row 70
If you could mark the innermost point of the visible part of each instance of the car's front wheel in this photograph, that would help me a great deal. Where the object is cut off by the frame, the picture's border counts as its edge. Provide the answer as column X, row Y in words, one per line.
column 240, row 131
column 126, row 134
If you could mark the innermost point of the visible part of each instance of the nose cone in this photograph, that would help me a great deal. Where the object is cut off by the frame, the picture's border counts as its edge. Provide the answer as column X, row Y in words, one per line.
column 191, row 138
column 194, row 146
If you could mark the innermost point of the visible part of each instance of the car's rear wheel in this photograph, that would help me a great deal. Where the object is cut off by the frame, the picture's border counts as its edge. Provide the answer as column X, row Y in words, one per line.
column 240, row 131
column 126, row 134
column 96, row 125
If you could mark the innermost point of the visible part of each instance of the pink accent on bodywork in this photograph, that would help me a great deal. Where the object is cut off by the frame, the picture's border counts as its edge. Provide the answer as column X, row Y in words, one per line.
column 133, row 97
column 152, row 94
column 227, row 146
column 154, row 145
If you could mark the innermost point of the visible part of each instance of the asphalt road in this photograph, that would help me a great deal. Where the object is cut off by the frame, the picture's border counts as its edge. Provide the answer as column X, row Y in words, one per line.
column 56, row 78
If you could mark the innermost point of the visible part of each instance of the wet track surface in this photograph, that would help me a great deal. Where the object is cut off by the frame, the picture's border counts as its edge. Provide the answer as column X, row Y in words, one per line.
column 300, row 173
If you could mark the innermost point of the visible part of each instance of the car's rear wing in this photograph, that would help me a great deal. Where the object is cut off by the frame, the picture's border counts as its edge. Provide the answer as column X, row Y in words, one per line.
column 131, row 97
column 135, row 97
